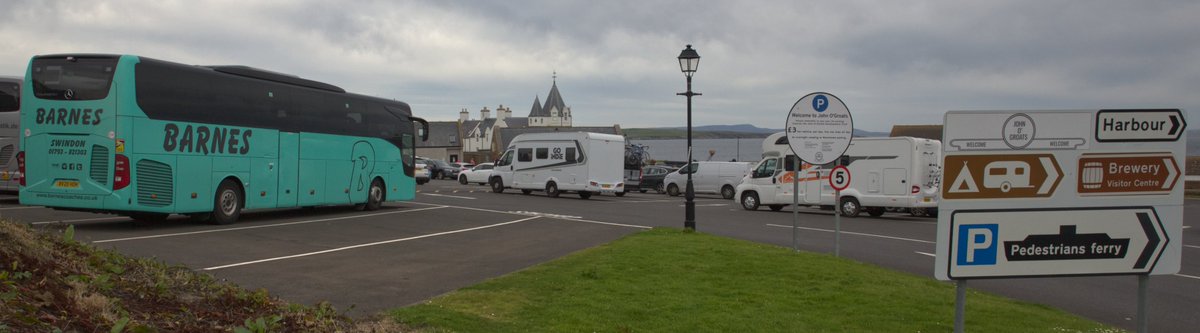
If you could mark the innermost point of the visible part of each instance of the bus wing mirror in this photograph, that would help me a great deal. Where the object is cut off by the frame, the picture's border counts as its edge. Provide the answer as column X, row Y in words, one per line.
column 423, row 130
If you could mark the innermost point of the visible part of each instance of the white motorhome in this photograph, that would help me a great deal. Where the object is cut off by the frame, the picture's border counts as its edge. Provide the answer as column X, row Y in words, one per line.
column 892, row 172
column 582, row 162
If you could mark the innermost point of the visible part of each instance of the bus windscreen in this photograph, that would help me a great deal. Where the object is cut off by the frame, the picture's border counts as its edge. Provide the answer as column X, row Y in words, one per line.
column 10, row 96
column 72, row 78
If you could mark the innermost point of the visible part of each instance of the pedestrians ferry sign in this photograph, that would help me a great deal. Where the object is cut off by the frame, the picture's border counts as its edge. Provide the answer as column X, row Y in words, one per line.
column 1054, row 193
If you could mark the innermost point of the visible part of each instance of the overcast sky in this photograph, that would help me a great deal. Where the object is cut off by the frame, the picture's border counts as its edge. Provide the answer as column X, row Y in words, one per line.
column 891, row 62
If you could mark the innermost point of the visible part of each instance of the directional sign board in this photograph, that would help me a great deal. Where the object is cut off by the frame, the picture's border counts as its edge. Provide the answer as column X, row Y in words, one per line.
column 1053, row 193
column 819, row 128
column 1013, row 243
column 1139, row 125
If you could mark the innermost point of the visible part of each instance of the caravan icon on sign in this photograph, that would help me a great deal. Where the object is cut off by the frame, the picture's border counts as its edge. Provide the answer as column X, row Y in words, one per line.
column 1001, row 176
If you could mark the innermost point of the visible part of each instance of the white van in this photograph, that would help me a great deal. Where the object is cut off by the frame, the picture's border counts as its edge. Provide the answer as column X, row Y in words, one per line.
column 893, row 172
column 707, row 177
column 583, row 162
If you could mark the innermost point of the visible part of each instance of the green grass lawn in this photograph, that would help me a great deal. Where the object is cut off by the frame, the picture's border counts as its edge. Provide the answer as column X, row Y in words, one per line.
column 667, row 280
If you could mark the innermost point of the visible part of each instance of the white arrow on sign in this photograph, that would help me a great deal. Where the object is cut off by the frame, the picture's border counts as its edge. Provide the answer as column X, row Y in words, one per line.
column 1139, row 125
column 1051, row 175
column 1049, row 242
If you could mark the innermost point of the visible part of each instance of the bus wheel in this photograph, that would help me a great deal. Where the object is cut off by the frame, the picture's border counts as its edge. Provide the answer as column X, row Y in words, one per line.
column 228, row 204
column 585, row 195
column 750, row 201
column 375, row 195
column 552, row 190
column 497, row 185
column 850, row 207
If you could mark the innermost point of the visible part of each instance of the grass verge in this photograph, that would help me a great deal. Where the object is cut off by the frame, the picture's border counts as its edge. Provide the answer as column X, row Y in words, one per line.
column 51, row 283
column 667, row 280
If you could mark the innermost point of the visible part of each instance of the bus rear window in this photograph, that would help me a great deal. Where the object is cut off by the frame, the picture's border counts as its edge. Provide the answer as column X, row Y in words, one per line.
column 10, row 96
column 73, row 78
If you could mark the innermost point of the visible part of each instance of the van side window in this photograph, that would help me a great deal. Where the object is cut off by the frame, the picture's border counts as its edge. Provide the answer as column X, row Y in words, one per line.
column 570, row 154
column 766, row 169
column 525, row 155
column 690, row 168
column 543, row 153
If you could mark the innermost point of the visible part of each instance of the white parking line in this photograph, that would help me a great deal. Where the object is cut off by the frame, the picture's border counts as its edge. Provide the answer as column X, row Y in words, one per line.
column 1191, row 246
column 260, row 226
column 448, row 196
column 709, row 205
column 1188, row 276
column 81, row 220
column 926, row 253
column 369, row 244
column 560, row 217
column 857, row 233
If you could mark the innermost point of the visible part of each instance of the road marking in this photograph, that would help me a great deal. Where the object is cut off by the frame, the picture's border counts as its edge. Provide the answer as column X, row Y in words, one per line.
column 1187, row 227
column 369, row 244
column 561, row 217
column 80, row 220
column 260, row 226
column 857, row 233
column 1191, row 246
column 926, row 253
column 522, row 212
column 708, row 205
column 448, row 196
column 1188, row 276
column 20, row 207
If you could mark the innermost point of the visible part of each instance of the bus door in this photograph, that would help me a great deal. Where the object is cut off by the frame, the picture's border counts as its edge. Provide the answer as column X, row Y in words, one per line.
column 289, row 168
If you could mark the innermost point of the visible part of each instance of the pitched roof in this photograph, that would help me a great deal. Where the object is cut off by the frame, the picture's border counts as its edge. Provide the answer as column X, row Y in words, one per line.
column 536, row 111
column 442, row 134
column 516, row 122
column 552, row 101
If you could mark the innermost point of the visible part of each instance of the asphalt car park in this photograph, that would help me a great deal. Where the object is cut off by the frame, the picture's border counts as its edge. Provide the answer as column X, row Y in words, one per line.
column 456, row 235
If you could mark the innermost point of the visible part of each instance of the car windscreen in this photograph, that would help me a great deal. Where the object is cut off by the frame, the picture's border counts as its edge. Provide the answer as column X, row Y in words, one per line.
column 72, row 78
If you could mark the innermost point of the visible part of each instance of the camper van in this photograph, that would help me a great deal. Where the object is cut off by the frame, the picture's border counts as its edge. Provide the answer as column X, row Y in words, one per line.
column 707, row 177
column 894, row 172
column 585, row 163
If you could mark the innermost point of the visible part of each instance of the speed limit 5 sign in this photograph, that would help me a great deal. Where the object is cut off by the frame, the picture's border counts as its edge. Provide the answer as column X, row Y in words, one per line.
column 839, row 178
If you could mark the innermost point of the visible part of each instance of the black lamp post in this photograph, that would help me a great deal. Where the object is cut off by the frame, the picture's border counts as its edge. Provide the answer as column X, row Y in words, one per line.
column 689, row 60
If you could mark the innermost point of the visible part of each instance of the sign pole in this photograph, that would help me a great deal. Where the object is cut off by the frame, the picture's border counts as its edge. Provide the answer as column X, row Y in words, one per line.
column 960, row 305
column 837, row 225
column 1143, row 323
column 795, row 206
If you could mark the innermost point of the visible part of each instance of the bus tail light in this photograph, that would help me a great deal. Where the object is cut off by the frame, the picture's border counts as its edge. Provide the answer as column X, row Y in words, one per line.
column 121, row 172
column 916, row 189
column 21, row 167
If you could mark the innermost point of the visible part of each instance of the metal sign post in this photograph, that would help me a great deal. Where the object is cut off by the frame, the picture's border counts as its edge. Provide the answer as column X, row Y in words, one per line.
column 839, row 179
column 795, row 207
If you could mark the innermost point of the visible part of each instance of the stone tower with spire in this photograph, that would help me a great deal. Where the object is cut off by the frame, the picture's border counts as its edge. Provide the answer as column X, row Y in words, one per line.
column 554, row 113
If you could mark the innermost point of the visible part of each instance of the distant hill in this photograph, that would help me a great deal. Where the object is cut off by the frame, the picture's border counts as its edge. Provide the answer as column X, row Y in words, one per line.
column 715, row 132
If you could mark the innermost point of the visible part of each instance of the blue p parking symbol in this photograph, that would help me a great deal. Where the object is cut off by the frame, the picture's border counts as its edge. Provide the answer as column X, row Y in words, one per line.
column 977, row 244
column 820, row 103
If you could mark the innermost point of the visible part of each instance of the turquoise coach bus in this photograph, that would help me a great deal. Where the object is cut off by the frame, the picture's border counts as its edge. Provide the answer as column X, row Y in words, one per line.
column 147, row 138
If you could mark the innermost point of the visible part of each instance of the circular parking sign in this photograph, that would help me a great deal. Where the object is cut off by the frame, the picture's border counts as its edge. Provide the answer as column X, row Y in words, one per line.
column 839, row 178
column 819, row 128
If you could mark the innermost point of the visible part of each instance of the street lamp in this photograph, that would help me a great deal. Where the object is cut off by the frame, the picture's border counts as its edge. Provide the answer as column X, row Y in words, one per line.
column 689, row 60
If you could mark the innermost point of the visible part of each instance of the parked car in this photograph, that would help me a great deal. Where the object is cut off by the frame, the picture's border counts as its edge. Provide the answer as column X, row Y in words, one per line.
column 708, row 177
column 439, row 169
column 652, row 178
column 479, row 174
column 422, row 172
column 458, row 167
